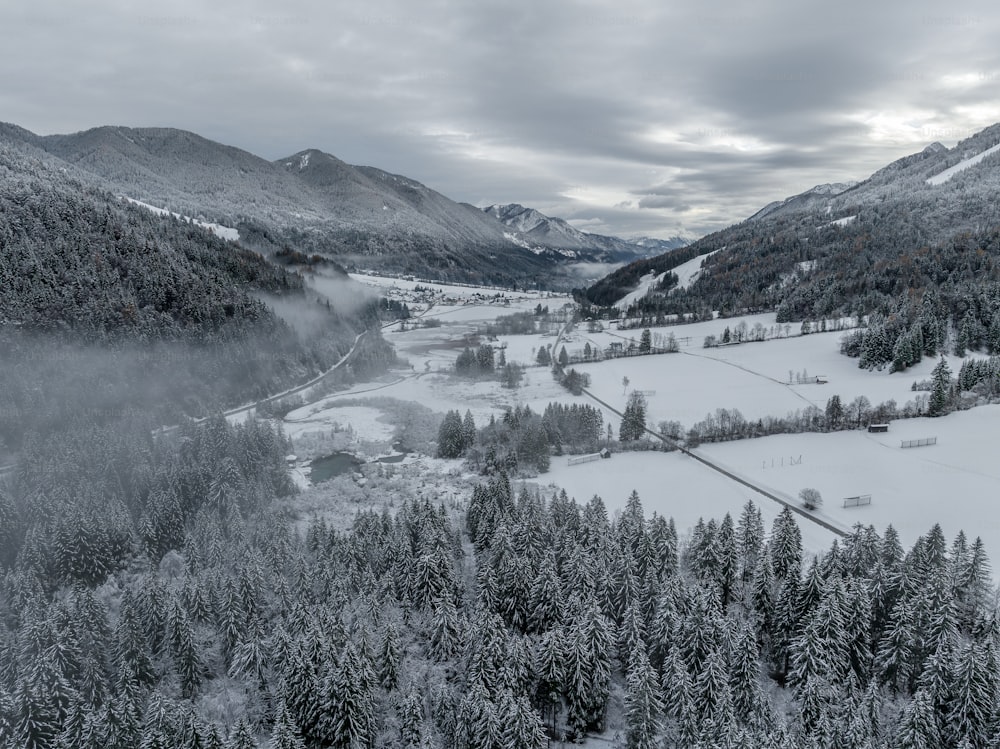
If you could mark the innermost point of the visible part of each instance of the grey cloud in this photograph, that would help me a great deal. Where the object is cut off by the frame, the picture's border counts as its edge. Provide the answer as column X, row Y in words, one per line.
column 645, row 113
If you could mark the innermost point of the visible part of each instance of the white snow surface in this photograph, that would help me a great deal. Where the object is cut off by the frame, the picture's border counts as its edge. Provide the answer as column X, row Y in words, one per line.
column 225, row 232
column 646, row 283
column 688, row 272
column 365, row 421
column 955, row 483
column 671, row 485
column 751, row 377
column 947, row 174
column 840, row 221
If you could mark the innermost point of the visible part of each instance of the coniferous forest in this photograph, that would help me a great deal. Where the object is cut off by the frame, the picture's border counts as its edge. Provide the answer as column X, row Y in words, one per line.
column 165, row 602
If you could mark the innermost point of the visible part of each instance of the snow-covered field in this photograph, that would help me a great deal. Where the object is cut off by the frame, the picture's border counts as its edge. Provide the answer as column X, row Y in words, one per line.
column 671, row 485
column 955, row 483
column 363, row 420
column 751, row 377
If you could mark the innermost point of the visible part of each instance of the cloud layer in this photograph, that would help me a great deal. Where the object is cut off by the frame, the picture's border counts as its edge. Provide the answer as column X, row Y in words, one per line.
column 641, row 117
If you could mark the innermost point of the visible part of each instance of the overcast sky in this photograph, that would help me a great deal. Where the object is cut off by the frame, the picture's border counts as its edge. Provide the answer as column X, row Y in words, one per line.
column 645, row 117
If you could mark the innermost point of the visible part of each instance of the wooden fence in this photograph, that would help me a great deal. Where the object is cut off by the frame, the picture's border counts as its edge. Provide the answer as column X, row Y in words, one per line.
column 923, row 442
column 861, row 499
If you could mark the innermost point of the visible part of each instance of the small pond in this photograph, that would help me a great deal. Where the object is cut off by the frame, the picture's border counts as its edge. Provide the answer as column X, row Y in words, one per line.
column 325, row 468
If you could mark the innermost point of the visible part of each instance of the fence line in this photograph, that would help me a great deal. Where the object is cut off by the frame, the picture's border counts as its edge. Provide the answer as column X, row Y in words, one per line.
column 862, row 499
column 923, row 442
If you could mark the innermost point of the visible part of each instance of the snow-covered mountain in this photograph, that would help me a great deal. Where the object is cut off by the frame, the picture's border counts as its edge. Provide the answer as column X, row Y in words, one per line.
column 314, row 203
column 663, row 245
column 539, row 230
column 814, row 196
column 813, row 252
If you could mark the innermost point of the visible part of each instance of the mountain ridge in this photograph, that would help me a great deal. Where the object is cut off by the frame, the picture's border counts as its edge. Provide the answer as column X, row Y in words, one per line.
column 361, row 216
column 796, row 255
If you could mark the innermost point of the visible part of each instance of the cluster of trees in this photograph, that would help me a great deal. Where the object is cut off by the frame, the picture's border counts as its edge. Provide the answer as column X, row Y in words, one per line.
column 872, row 646
column 480, row 362
column 633, row 426
column 78, row 262
column 525, row 323
column 393, row 309
column 922, row 258
column 573, row 428
column 572, row 380
column 729, row 424
column 517, row 441
column 108, row 308
column 980, row 375
column 456, row 434
column 614, row 286
column 485, row 362
column 521, row 438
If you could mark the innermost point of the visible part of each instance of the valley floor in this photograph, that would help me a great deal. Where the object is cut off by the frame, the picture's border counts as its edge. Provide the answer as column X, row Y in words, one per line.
column 954, row 483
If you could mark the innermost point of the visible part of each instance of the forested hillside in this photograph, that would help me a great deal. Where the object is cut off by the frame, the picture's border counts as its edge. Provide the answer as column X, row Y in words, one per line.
column 108, row 308
column 907, row 246
column 313, row 203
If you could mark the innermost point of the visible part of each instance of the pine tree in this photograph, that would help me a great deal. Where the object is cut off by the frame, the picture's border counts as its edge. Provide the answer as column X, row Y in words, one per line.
column 786, row 545
column 389, row 657
column 645, row 342
column 588, row 672
column 451, row 442
column 242, row 736
column 445, row 629
column 347, row 719
column 520, row 725
column 633, row 424
column 285, row 734
column 468, row 431
column 643, row 703
column 940, row 399
column 410, row 712
column 973, row 715
column 918, row 725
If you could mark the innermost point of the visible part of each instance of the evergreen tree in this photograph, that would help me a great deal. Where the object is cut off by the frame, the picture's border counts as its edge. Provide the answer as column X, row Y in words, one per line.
column 940, row 399
column 451, row 438
column 642, row 702
column 645, row 342
column 786, row 545
column 285, row 734
column 918, row 725
column 633, row 424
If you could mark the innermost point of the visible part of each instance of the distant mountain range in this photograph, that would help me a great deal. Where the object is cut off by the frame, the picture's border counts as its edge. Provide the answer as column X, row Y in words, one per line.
column 536, row 231
column 882, row 244
column 314, row 203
